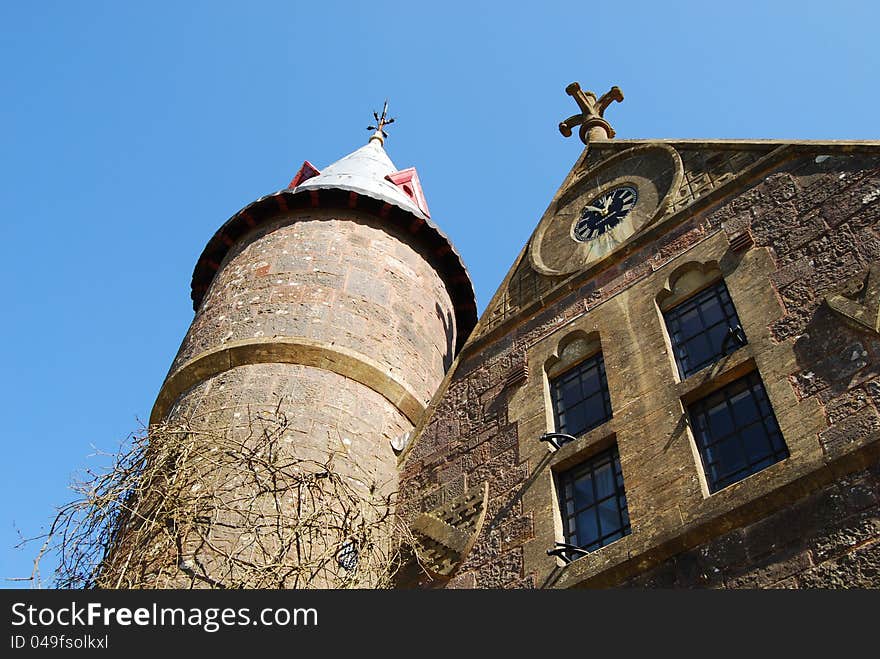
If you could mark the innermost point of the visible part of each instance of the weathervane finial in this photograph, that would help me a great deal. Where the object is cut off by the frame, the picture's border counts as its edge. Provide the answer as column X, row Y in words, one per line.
column 381, row 122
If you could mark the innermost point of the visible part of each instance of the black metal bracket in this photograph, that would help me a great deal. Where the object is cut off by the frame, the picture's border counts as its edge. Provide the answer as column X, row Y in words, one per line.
column 554, row 437
column 564, row 551
column 733, row 334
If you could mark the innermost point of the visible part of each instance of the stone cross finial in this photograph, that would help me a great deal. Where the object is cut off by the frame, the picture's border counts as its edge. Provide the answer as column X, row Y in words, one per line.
column 381, row 122
column 593, row 125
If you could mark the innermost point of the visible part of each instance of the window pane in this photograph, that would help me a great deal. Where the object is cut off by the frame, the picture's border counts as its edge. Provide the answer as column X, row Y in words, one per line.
column 712, row 311
column 591, row 383
column 587, row 527
column 744, row 408
column 609, row 516
column 571, row 393
column 690, row 324
column 608, row 539
column 581, row 397
column 699, row 351
column 720, row 421
column 778, row 445
column 716, row 336
column 594, row 412
column 604, row 478
column 595, row 521
column 575, row 420
column 764, row 406
column 736, row 432
column 698, row 327
column 756, row 443
column 583, row 491
column 729, row 456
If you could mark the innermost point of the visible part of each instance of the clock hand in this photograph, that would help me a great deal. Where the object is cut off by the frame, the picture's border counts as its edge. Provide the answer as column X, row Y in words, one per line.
column 599, row 228
column 593, row 208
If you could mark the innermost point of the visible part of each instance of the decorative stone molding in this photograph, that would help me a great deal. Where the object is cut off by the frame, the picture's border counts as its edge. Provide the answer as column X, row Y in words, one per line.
column 448, row 533
column 591, row 117
column 572, row 349
column 741, row 241
column 686, row 280
column 301, row 351
column 864, row 315
column 517, row 374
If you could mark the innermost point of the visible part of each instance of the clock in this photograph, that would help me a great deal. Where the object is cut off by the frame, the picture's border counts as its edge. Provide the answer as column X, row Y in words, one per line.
column 603, row 206
column 604, row 213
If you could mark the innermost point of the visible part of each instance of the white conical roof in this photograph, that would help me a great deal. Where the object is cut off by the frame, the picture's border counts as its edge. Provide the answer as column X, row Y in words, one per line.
column 364, row 171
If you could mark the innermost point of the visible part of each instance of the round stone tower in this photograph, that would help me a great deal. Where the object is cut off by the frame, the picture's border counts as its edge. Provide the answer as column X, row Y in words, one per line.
column 326, row 316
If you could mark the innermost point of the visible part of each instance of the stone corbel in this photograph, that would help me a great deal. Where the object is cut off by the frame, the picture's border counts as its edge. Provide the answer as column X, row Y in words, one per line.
column 448, row 533
column 864, row 315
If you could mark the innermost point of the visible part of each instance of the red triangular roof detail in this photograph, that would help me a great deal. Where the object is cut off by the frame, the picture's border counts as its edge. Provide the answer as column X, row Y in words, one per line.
column 307, row 171
column 408, row 181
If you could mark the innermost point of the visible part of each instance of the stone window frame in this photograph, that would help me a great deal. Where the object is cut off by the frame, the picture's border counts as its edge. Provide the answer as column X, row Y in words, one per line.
column 595, row 360
column 706, row 385
column 575, row 346
column 561, row 475
column 747, row 371
column 685, row 281
column 683, row 284
column 714, row 295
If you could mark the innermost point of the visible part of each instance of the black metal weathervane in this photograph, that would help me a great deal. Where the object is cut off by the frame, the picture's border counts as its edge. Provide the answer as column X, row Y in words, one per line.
column 381, row 122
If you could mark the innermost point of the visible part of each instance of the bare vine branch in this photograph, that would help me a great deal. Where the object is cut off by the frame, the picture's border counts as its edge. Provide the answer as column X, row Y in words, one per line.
column 183, row 506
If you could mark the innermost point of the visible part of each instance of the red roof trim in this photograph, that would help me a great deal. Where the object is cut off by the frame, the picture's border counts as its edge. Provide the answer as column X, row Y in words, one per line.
column 307, row 171
column 408, row 181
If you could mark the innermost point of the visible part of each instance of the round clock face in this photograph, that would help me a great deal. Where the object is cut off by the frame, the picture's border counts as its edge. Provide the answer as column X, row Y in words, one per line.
column 605, row 212
column 603, row 206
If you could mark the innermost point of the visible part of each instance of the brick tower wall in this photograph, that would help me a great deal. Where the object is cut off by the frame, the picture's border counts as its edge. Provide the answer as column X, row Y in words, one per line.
column 340, row 280
column 330, row 320
column 341, row 283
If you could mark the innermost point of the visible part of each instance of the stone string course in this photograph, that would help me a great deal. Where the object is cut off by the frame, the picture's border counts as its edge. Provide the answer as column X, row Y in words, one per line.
column 831, row 539
column 339, row 280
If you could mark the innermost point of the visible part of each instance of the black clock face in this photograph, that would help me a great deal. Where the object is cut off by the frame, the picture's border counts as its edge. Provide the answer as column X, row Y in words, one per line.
column 605, row 212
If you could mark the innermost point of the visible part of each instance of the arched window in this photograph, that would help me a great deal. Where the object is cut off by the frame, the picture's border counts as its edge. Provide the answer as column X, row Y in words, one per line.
column 578, row 388
column 700, row 318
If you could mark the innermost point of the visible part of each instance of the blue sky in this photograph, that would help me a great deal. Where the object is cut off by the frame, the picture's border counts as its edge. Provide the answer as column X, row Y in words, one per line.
column 129, row 132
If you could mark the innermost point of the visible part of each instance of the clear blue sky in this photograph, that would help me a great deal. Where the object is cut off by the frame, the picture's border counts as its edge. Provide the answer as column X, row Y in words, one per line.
column 129, row 132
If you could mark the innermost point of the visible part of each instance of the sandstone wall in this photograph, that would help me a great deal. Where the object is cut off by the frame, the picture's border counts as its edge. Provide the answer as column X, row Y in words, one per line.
column 810, row 520
column 339, row 279
column 333, row 323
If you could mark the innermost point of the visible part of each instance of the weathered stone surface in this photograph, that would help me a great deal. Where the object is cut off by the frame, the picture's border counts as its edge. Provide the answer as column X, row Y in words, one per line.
column 815, row 543
column 861, row 426
column 813, row 220
column 859, row 569
column 501, row 572
column 338, row 323
column 341, row 279
column 841, row 540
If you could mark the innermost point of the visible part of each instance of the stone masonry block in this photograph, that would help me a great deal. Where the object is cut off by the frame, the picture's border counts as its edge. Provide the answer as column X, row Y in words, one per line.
column 859, row 428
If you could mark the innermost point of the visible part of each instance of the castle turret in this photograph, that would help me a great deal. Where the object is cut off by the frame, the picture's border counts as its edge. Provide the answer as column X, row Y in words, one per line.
column 326, row 316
